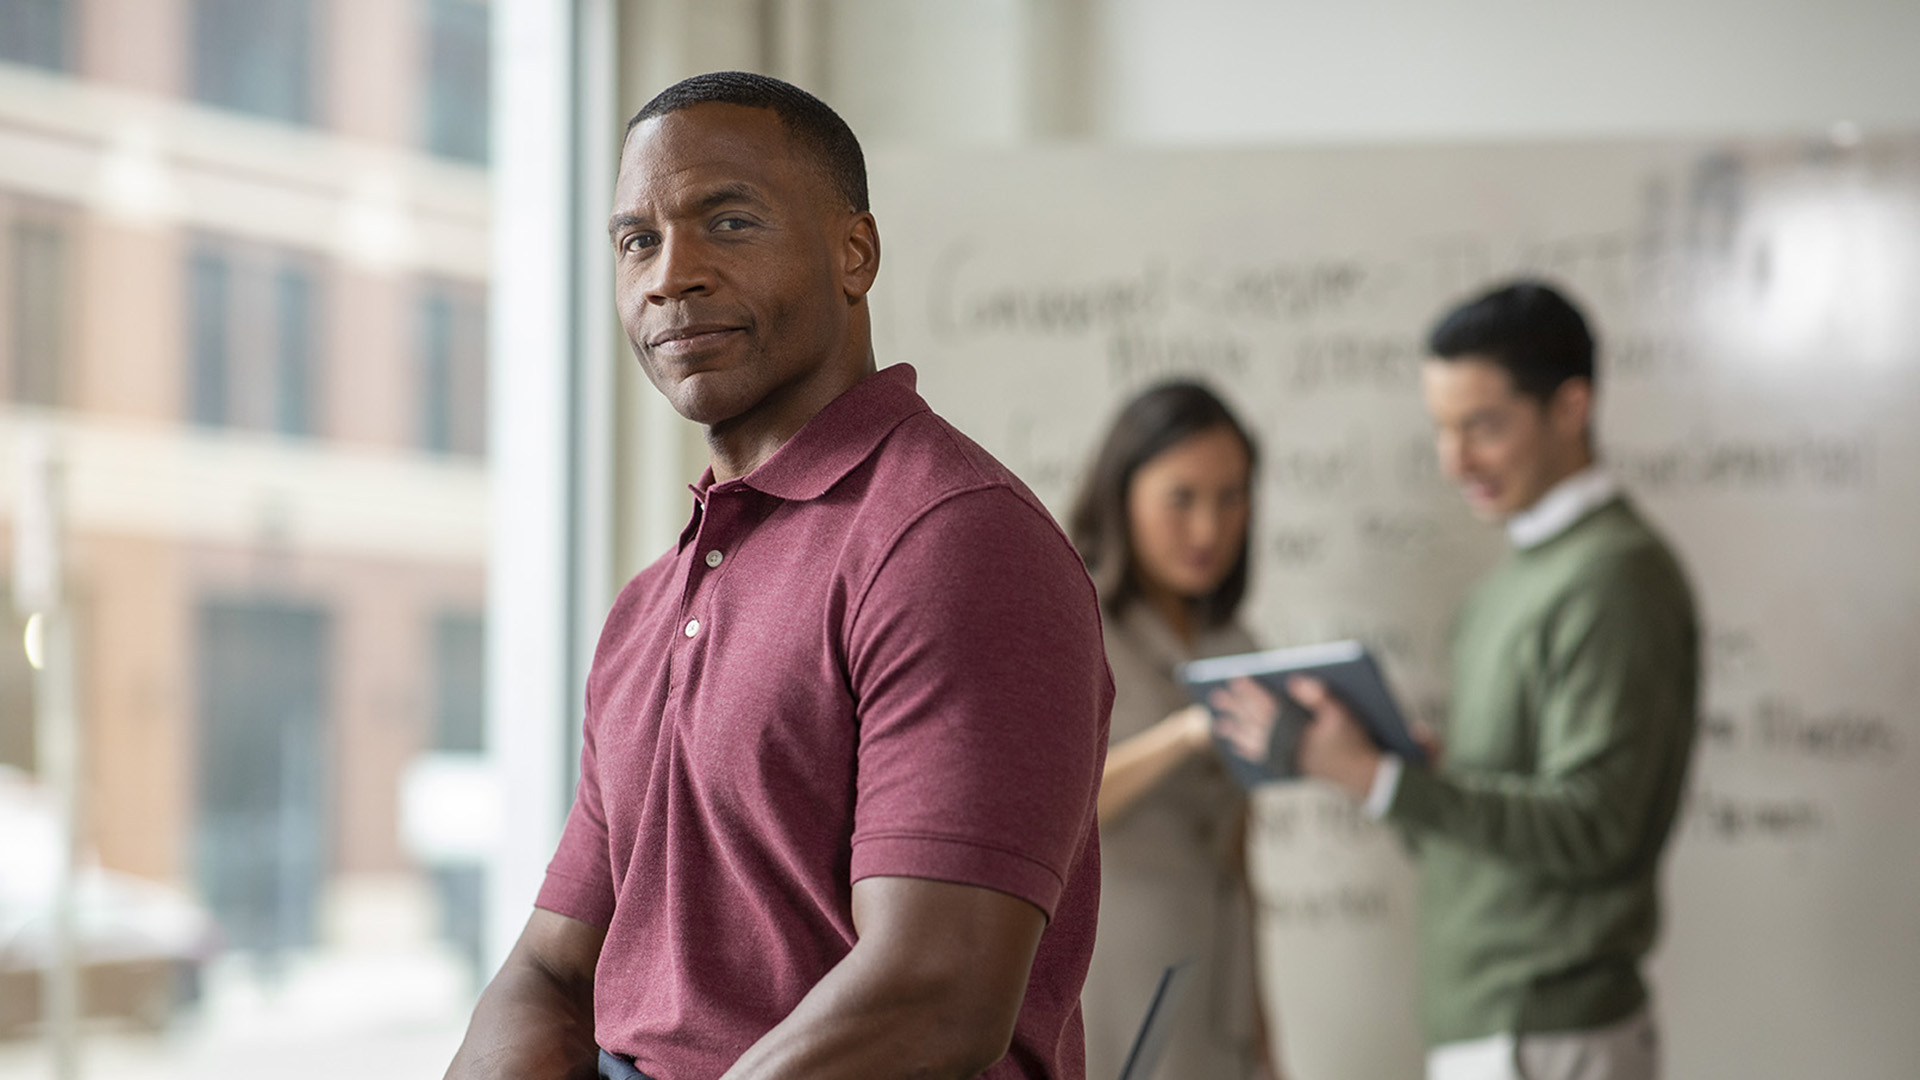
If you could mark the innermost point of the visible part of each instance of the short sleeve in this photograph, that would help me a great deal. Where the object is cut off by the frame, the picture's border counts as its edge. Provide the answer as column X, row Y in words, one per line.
column 579, row 882
column 982, row 697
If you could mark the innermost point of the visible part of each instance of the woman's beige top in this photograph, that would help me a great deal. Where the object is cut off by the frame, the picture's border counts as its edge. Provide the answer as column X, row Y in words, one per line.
column 1171, row 878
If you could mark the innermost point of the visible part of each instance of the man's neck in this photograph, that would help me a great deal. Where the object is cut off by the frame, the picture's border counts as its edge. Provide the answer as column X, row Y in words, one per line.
column 1570, row 499
column 737, row 446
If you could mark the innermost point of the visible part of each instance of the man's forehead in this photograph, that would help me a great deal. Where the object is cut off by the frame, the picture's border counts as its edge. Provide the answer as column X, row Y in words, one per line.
column 715, row 143
column 710, row 132
column 1481, row 373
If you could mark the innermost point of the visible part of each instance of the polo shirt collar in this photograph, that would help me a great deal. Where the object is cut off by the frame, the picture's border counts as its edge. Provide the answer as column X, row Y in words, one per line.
column 1562, row 506
column 839, row 437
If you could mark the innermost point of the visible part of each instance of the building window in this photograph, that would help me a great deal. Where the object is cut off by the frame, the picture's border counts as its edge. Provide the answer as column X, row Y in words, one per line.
column 456, row 98
column 453, row 369
column 254, row 343
column 293, row 352
column 262, row 843
column 208, row 285
column 34, row 32
column 459, row 676
column 459, row 727
column 39, row 312
column 256, row 56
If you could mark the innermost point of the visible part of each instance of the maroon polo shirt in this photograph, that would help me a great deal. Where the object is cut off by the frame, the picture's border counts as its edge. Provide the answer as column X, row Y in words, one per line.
column 876, row 654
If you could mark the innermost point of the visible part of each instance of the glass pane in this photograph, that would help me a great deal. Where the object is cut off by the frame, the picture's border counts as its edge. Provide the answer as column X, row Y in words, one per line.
column 436, row 372
column 453, row 369
column 294, row 381
column 268, row 351
column 457, row 79
column 207, row 286
column 254, row 56
column 459, row 662
column 39, row 291
column 34, row 32
column 265, row 668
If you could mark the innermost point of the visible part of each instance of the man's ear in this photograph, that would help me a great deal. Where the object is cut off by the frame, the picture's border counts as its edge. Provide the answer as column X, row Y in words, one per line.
column 861, row 255
column 1570, row 410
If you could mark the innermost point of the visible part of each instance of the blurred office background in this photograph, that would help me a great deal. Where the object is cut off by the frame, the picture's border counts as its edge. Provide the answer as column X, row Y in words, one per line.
column 309, row 298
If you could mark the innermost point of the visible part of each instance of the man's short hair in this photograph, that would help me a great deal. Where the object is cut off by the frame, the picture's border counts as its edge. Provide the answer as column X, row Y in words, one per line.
column 815, row 127
column 1528, row 328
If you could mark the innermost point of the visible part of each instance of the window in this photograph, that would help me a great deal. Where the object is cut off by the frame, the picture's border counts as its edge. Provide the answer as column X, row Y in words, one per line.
column 459, row 677
column 459, row 727
column 207, row 286
column 255, row 56
column 436, row 372
column 453, row 369
column 34, row 32
column 254, row 343
column 39, row 312
column 293, row 352
column 261, row 834
column 456, row 97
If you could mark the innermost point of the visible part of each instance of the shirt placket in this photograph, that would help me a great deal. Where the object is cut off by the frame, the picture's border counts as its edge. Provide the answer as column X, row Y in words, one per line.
column 718, row 525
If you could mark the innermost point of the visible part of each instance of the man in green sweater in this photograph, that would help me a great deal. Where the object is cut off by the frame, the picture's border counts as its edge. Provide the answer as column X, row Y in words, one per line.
column 1575, row 675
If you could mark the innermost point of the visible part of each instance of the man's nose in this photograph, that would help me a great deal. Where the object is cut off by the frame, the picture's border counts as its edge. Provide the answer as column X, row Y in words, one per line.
column 681, row 269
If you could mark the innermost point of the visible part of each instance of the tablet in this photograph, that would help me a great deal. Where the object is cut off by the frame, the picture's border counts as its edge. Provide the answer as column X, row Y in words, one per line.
column 1156, row 1028
column 1349, row 671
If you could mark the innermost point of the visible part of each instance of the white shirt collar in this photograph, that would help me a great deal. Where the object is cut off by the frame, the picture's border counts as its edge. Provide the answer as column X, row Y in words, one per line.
column 1565, row 503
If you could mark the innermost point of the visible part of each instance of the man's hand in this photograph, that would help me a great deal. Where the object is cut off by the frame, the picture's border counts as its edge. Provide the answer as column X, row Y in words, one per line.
column 1334, row 747
column 535, row 1021
column 1244, row 715
column 1429, row 740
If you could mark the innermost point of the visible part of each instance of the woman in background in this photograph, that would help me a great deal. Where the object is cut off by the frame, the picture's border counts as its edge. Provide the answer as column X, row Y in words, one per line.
column 1162, row 522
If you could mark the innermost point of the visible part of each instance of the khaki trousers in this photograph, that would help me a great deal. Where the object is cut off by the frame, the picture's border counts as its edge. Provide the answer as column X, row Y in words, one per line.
column 1628, row 1050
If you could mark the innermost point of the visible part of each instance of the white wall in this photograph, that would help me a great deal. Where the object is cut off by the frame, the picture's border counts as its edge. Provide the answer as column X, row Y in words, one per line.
column 918, row 72
column 1240, row 70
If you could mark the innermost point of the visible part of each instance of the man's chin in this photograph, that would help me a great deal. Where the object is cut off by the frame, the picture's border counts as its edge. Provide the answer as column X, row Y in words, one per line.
column 1489, row 511
column 703, row 399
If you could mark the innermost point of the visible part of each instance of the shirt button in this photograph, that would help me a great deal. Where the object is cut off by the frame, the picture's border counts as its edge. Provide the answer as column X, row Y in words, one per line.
column 714, row 557
column 693, row 627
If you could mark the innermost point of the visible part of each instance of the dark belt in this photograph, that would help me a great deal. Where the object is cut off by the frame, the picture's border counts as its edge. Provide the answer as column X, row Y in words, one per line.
column 615, row 1067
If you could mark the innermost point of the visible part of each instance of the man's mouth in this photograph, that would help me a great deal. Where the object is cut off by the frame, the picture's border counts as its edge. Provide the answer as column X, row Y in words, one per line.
column 682, row 340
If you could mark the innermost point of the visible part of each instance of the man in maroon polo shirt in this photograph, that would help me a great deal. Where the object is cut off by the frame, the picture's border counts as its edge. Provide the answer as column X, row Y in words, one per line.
column 843, row 742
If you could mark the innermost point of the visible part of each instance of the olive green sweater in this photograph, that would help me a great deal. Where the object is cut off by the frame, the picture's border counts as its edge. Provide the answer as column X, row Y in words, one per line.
column 1575, row 675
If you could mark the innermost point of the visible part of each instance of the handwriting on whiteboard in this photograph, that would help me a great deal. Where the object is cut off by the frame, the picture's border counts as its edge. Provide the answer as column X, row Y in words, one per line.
column 1805, row 462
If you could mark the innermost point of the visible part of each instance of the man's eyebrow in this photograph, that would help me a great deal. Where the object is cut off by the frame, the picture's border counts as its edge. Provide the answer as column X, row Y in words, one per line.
column 622, row 221
column 707, row 203
column 729, row 193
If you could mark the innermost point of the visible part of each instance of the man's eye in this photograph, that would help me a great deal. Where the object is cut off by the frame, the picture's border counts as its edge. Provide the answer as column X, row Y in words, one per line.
column 636, row 242
column 731, row 224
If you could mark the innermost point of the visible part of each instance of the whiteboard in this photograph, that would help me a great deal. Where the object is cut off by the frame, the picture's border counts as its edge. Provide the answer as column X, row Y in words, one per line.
column 1758, row 305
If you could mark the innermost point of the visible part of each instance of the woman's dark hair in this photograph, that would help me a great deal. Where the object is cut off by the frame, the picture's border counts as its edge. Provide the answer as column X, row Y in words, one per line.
column 1149, row 425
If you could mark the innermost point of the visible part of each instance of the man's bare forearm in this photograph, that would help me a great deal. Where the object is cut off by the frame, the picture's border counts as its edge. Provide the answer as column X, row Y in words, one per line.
column 932, row 990
column 857, row 1022
column 535, row 1020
